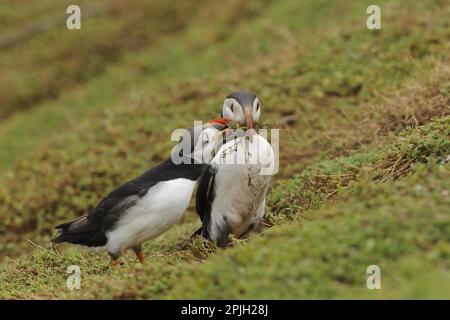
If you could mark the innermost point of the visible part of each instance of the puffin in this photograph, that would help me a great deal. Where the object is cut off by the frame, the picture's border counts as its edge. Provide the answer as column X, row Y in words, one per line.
column 231, row 192
column 147, row 206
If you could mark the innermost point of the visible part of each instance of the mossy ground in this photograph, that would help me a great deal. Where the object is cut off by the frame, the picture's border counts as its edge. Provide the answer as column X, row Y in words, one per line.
column 363, row 171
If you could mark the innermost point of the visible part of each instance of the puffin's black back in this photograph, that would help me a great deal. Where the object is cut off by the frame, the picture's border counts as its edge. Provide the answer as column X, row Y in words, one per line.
column 89, row 230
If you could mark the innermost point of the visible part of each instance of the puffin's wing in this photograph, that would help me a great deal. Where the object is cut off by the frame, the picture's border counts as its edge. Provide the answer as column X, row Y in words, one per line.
column 108, row 211
column 90, row 229
column 205, row 195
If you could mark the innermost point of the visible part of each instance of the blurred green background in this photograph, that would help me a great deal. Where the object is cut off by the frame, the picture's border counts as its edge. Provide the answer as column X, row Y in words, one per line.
column 363, row 167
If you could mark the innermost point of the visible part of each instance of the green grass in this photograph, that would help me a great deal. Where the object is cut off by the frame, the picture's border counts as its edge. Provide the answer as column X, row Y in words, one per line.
column 322, row 251
column 363, row 170
column 179, row 56
column 264, row 47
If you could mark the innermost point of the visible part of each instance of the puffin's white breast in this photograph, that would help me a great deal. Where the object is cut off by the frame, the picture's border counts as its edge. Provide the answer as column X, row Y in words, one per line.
column 162, row 207
column 240, row 186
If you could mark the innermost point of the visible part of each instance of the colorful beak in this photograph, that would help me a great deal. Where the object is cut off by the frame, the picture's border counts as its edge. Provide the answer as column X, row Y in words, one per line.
column 248, row 121
column 219, row 124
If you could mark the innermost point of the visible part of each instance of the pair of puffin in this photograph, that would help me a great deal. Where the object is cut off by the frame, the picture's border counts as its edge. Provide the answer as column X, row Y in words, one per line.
column 230, row 195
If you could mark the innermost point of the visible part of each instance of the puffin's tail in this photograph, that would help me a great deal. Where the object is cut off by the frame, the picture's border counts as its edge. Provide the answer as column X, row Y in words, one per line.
column 80, row 231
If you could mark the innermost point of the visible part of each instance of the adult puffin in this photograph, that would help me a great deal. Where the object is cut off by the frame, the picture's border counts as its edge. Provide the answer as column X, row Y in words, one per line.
column 232, row 189
column 149, row 205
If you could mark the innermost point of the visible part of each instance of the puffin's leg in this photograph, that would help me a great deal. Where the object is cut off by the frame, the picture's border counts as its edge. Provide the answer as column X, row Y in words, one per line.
column 139, row 255
column 114, row 259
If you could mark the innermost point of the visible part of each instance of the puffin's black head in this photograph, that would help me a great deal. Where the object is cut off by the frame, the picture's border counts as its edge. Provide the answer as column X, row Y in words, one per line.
column 242, row 108
column 198, row 145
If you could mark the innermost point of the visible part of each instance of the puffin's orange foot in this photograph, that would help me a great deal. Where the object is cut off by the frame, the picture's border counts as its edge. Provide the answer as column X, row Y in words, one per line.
column 138, row 252
column 140, row 257
column 114, row 263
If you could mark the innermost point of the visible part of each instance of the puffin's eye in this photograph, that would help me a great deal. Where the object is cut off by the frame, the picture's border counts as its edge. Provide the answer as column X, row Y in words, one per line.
column 232, row 107
column 257, row 106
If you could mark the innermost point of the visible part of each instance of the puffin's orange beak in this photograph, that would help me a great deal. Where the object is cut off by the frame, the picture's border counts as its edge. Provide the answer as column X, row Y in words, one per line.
column 220, row 124
column 248, row 121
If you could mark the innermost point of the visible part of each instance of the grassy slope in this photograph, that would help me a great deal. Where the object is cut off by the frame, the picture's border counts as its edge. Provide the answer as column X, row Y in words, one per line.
column 200, row 49
column 373, row 217
column 333, row 79
column 29, row 72
column 402, row 226
column 114, row 130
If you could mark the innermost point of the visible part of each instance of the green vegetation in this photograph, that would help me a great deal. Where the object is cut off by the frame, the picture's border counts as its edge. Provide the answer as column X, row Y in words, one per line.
column 363, row 171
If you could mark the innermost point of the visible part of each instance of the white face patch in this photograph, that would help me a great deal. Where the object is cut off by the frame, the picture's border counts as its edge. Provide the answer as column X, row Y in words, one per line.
column 198, row 144
column 206, row 145
column 256, row 110
column 233, row 111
